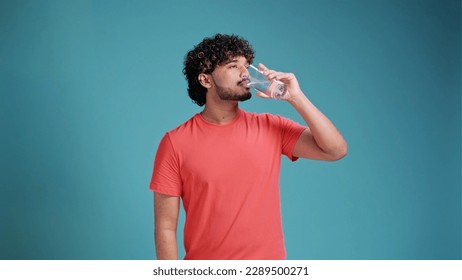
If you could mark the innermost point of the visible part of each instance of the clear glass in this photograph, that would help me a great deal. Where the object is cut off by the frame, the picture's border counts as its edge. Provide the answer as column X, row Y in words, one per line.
column 274, row 88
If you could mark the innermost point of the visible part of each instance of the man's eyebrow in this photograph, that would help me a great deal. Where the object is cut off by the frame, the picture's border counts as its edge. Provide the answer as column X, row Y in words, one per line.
column 231, row 61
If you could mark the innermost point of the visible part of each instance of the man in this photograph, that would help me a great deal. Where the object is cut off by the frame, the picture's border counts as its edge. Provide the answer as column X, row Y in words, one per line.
column 224, row 163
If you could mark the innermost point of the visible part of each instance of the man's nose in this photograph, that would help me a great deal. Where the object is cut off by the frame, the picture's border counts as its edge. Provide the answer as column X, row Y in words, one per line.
column 245, row 72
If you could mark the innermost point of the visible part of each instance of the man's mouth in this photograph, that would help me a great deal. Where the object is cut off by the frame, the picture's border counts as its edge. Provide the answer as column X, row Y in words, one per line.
column 244, row 82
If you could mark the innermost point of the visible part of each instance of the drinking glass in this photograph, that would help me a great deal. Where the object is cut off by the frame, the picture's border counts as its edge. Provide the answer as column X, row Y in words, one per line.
column 273, row 88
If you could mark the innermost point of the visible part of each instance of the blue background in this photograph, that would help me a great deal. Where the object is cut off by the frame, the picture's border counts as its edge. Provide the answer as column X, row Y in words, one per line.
column 88, row 88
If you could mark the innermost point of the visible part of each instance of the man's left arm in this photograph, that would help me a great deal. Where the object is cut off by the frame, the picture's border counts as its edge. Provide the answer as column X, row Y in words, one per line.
column 321, row 140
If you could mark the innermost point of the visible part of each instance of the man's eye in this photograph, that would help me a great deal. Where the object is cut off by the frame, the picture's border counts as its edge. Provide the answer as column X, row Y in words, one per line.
column 233, row 66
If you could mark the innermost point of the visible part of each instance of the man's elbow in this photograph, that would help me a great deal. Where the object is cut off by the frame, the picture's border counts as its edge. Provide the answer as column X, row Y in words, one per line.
column 339, row 152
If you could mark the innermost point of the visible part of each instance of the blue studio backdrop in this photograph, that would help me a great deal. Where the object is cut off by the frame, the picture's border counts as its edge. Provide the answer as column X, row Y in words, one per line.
column 88, row 89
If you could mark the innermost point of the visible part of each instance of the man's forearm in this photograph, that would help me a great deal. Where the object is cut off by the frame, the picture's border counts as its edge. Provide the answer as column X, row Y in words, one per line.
column 166, row 245
column 324, row 131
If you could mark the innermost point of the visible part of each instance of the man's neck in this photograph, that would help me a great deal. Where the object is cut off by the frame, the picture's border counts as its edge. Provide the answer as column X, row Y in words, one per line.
column 220, row 114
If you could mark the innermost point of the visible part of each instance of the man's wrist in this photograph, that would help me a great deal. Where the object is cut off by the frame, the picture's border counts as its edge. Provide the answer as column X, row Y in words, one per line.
column 296, row 98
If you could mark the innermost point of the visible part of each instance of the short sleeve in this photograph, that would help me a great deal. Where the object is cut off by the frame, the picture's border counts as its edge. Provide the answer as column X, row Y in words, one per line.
column 166, row 177
column 290, row 133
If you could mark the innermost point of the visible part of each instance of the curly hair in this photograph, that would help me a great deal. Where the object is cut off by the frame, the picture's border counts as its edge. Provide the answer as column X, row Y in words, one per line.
column 209, row 54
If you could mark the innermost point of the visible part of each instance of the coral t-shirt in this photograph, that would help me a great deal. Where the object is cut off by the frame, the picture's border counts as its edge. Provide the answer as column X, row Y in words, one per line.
column 228, row 179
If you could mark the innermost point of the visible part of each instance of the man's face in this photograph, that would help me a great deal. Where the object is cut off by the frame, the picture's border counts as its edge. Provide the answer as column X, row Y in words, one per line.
column 230, row 79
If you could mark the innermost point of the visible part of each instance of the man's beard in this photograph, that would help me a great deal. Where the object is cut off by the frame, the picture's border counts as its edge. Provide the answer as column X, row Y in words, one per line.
column 229, row 94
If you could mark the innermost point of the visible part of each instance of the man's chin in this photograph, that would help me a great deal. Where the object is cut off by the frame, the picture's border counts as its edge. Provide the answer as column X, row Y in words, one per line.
column 245, row 97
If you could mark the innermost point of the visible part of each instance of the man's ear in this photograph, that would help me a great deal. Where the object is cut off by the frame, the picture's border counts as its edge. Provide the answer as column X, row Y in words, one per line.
column 204, row 79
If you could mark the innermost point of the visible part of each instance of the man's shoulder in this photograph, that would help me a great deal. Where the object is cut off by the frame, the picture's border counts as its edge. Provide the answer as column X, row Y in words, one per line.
column 184, row 127
column 255, row 114
column 264, row 116
column 269, row 120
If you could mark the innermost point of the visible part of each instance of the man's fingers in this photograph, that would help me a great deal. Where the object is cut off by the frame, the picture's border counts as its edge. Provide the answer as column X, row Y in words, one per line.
column 262, row 67
column 261, row 94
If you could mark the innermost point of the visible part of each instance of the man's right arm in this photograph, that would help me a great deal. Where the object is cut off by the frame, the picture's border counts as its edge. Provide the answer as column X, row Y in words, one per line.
column 166, row 210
